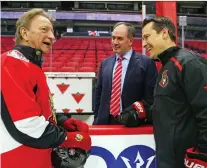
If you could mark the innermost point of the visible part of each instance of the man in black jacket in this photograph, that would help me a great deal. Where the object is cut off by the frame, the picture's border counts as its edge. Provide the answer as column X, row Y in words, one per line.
column 180, row 99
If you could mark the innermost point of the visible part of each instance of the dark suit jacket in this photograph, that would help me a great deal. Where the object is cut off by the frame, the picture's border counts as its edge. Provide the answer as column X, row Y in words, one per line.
column 138, row 85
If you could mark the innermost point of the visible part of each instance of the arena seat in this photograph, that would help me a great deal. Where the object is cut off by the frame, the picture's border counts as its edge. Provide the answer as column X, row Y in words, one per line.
column 204, row 56
column 80, row 52
column 67, row 69
column 62, row 59
column 89, row 64
column 86, row 69
column 86, row 59
column 50, row 69
column 72, row 64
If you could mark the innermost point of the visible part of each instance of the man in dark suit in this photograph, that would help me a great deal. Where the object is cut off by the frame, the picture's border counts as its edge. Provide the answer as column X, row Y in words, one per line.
column 124, row 78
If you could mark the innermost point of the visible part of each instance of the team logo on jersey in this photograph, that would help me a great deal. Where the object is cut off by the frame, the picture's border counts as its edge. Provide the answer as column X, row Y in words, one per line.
column 79, row 137
column 18, row 55
column 164, row 81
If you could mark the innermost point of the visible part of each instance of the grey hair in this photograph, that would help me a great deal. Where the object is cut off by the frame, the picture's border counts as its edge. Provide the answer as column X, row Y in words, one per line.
column 25, row 21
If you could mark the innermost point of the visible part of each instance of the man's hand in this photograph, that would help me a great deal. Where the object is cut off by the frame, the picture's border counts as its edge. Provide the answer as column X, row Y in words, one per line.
column 75, row 125
column 195, row 159
column 78, row 140
column 133, row 115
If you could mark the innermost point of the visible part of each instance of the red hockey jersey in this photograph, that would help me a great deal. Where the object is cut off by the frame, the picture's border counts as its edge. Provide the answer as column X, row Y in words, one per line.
column 27, row 135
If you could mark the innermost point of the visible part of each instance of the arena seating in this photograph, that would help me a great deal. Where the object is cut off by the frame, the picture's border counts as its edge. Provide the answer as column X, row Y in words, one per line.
column 197, row 45
column 84, row 54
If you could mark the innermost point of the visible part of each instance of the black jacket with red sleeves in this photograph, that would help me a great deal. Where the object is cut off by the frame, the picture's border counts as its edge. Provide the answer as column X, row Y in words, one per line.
column 180, row 106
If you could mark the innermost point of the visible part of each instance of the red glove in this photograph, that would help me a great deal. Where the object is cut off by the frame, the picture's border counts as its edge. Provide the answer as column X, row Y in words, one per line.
column 139, row 107
column 79, row 140
column 75, row 125
column 195, row 159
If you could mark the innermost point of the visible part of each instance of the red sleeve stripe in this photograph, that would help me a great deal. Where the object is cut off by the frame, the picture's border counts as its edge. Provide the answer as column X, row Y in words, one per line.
column 176, row 63
column 140, row 109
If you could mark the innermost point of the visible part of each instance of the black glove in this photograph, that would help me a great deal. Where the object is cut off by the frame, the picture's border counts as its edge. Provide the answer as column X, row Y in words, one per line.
column 68, row 158
column 134, row 115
